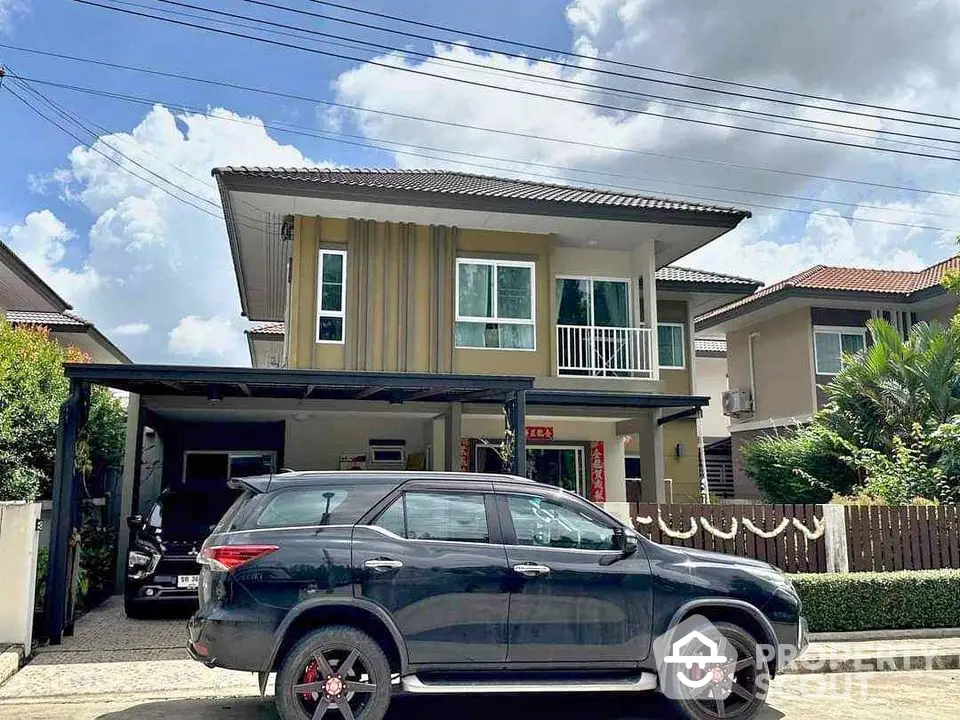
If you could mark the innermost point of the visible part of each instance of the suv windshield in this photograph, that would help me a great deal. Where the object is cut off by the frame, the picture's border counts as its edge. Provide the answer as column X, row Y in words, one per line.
column 190, row 514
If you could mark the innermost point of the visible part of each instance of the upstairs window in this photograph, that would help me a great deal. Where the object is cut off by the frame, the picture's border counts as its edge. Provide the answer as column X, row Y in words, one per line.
column 832, row 343
column 495, row 304
column 331, row 295
column 670, row 346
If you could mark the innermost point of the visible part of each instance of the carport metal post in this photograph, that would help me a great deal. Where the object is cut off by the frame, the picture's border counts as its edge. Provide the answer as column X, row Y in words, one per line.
column 64, row 502
column 516, row 411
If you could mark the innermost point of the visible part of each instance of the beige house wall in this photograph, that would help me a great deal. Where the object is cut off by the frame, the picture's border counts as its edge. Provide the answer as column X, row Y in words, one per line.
column 782, row 364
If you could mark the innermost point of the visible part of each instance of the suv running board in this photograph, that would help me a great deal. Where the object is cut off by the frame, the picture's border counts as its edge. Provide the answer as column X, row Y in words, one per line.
column 639, row 683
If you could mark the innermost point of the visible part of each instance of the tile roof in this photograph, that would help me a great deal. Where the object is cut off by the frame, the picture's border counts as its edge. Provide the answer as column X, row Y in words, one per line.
column 845, row 279
column 274, row 329
column 676, row 273
column 709, row 345
column 47, row 319
column 448, row 182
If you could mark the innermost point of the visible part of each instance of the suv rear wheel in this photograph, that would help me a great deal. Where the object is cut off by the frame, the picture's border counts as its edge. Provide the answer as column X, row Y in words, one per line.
column 338, row 673
column 750, row 681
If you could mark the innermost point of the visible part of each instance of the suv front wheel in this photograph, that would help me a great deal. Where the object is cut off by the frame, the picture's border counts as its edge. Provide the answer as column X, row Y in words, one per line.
column 337, row 673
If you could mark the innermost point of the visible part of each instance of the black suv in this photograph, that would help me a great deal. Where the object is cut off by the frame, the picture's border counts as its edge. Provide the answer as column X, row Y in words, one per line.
column 357, row 586
column 162, row 560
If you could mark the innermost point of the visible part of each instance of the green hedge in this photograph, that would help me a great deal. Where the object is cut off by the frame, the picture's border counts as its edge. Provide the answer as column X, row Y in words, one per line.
column 838, row 602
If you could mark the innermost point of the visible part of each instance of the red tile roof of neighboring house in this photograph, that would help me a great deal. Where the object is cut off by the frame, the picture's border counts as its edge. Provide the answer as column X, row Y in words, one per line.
column 845, row 279
column 51, row 320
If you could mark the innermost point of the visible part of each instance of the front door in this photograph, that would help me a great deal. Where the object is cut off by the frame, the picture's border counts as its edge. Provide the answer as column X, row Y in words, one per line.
column 566, row 606
column 434, row 559
column 558, row 465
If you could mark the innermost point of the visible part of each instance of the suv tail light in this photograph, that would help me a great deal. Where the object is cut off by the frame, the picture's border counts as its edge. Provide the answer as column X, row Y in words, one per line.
column 225, row 558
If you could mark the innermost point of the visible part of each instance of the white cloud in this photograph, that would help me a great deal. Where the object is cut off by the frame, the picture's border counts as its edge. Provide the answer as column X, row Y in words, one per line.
column 41, row 241
column 134, row 328
column 753, row 41
column 151, row 260
column 216, row 337
column 9, row 11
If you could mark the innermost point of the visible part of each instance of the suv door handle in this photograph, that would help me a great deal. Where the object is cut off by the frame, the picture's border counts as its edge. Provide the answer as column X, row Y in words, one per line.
column 531, row 569
column 383, row 565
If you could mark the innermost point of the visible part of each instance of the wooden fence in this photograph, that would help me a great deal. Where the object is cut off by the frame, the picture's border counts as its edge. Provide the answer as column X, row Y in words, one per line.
column 788, row 547
column 795, row 538
column 902, row 538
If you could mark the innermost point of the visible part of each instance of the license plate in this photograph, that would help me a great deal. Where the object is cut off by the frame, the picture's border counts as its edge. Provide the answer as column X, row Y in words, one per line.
column 188, row 582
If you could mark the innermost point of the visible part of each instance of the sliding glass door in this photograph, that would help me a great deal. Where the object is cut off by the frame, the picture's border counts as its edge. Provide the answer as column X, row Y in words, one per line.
column 594, row 333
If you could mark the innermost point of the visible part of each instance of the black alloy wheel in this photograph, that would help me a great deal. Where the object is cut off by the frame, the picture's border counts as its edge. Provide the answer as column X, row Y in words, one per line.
column 747, row 679
column 338, row 673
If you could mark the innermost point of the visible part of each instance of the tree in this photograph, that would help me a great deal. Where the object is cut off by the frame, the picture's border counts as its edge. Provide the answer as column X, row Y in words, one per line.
column 32, row 389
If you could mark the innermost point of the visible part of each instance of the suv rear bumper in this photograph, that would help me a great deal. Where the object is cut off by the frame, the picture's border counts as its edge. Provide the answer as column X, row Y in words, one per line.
column 218, row 639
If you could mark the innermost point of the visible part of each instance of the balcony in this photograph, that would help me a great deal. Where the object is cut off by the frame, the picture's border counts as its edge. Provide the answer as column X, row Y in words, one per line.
column 591, row 351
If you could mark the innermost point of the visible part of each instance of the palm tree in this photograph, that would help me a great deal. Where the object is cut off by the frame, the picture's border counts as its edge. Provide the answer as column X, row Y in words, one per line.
column 893, row 385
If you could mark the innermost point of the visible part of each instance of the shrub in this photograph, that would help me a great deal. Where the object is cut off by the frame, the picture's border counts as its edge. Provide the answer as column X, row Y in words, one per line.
column 801, row 467
column 845, row 602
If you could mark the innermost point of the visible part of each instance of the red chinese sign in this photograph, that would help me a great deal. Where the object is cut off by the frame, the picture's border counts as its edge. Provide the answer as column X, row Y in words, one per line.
column 598, row 473
column 464, row 455
column 539, row 432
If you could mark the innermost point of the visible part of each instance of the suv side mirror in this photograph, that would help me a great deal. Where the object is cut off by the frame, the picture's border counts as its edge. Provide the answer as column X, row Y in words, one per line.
column 625, row 542
column 134, row 521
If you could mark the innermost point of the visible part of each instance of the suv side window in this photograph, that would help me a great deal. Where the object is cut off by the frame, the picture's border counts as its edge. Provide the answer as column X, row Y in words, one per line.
column 540, row 522
column 452, row 517
column 319, row 505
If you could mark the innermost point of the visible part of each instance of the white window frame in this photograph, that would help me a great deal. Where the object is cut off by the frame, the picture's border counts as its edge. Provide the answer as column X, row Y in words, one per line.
column 342, row 313
column 495, row 263
column 838, row 330
column 591, row 279
column 683, row 345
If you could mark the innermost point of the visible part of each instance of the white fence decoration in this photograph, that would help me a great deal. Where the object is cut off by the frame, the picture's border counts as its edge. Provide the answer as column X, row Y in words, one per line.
column 815, row 534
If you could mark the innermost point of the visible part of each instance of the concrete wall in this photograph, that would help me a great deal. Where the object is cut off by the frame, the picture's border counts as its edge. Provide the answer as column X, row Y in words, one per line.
column 683, row 468
column 318, row 441
column 783, row 357
column 712, row 381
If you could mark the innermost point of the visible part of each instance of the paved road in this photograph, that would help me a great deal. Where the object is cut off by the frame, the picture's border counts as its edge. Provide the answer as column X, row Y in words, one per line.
column 919, row 695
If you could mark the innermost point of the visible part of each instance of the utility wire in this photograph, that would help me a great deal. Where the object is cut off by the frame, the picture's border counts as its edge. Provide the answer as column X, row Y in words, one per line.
column 528, row 93
column 773, row 118
column 636, row 66
column 379, row 143
column 667, row 100
column 9, row 88
column 466, row 126
column 333, row 137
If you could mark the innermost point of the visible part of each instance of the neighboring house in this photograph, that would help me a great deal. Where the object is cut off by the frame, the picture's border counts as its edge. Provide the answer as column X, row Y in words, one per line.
column 788, row 339
column 25, row 299
column 452, row 273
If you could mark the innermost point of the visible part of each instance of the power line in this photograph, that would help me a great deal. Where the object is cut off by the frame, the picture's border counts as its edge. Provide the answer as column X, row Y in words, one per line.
column 329, row 135
column 332, row 136
column 668, row 100
column 544, row 96
column 648, row 68
column 466, row 126
column 9, row 88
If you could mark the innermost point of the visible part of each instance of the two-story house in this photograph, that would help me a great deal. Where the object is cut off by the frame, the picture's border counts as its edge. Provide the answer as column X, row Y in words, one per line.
column 444, row 272
column 787, row 340
column 25, row 299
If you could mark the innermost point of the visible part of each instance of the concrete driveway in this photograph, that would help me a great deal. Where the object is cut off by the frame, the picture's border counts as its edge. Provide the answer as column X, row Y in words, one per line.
column 121, row 669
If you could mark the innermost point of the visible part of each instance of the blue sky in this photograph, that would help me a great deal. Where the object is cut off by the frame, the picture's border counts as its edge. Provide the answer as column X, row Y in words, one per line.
column 156, row 275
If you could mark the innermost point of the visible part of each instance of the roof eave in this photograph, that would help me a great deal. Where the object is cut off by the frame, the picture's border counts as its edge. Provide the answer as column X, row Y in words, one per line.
column 9, row 258
column 234, row 241
column 231, row 181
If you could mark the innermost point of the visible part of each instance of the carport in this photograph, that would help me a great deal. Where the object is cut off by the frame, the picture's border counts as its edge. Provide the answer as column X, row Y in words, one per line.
column 163, row 394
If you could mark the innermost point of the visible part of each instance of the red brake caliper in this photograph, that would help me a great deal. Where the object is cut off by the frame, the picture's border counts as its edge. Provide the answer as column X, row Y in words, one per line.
column 310, row 675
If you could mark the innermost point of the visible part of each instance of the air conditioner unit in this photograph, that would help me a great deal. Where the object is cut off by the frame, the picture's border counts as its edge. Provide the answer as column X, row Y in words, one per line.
column 737, row 402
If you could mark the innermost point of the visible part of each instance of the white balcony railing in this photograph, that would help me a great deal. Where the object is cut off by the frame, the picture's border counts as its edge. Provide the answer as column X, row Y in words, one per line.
column 604, row 351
